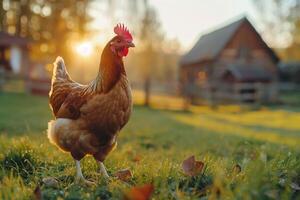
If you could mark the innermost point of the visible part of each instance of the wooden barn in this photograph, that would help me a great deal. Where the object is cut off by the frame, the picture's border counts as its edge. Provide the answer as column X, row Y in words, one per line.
column 230, row 64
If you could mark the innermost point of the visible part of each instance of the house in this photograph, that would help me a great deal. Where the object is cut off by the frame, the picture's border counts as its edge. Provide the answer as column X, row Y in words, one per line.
column 230, row 64
column 13, row 53
column 15, row 64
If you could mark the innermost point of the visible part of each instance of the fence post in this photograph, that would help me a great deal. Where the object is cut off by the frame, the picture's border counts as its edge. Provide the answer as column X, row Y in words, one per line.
column 259, row 89
column 2, row 79
column 236, row 91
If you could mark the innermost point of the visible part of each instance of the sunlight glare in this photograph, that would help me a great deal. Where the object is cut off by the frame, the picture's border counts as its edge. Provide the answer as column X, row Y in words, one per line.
column 84, row 49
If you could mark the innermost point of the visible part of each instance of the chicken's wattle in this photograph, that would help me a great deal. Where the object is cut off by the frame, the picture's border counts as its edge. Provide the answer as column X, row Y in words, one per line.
column 123, row 52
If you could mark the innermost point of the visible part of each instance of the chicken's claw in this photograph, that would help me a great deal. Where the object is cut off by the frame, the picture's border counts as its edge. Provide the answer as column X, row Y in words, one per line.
column 103, row 171
column 105, row 176
column 85, row 182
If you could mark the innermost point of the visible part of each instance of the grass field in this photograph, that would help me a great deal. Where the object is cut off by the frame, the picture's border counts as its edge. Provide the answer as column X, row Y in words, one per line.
column 264, row 143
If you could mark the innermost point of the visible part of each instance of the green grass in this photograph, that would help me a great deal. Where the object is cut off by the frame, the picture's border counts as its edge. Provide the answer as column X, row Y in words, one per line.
column 291, row 98
column 264, row 143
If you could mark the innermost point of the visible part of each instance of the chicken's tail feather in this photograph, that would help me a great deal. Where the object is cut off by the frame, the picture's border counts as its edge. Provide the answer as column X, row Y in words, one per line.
column 51, row 131
column 60, row 71
column 60, row 76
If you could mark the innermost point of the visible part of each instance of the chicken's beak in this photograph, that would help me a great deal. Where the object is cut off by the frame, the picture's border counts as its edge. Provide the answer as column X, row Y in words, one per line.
column 130, row 44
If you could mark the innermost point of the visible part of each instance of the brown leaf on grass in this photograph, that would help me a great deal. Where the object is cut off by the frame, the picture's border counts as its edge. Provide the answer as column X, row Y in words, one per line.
column 37, row 193
column 139, row 193
column 129, row 152
column 136, row 158
column 236, row 169
column 191, row 167
column 295, row 186
column 50, row 182
column 272, row 194
column 123, row 175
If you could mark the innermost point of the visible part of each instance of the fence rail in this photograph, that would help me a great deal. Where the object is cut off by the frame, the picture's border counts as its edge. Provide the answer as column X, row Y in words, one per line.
column 17, row 83
column 235, row 92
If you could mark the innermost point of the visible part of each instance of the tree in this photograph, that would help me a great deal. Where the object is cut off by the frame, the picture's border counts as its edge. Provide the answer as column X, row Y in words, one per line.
column 48, row 23
column 281, row 21
column 151, row 38
column 293, row 51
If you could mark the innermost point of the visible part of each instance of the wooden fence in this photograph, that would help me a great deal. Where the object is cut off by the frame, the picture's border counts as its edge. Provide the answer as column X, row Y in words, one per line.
column 16, row 83
column 223, row 93
column 243, row 92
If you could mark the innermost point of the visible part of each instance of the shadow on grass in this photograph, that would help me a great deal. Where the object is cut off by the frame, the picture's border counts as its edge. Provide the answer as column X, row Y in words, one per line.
column 257, row 127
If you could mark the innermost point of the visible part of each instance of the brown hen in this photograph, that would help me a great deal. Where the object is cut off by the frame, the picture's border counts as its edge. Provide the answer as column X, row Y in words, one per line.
column 89, row 117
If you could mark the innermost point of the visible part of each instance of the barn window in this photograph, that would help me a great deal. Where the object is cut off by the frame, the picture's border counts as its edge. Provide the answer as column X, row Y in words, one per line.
column 202, row 76
column 6, row 54
column 244, row 52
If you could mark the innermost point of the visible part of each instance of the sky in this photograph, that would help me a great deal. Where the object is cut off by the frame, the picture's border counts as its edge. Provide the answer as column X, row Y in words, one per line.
column 186, row 20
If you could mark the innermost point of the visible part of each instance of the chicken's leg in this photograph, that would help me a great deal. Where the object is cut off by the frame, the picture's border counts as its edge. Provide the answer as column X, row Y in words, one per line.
column 79, row 176
column 103, row 170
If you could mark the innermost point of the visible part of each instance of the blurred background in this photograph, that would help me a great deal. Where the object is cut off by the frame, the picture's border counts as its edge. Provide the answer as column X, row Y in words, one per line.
column 187, row 52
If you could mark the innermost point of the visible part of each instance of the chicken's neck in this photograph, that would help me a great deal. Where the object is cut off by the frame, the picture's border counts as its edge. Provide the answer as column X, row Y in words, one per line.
column 110, row 71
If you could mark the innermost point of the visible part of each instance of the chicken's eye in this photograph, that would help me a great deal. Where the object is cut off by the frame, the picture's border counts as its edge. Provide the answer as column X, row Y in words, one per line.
column 118, row 41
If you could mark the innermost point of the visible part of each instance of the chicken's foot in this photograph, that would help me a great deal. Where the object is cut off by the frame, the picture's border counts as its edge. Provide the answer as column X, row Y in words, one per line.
column 79, row 176
column 103, row 170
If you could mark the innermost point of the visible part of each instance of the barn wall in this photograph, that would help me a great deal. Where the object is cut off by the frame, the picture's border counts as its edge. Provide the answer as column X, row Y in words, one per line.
column 247, row 38
column 245, row 48
column 190, row 79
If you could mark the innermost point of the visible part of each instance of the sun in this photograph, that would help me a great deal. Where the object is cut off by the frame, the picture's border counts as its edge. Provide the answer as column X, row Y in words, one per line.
column 84, row 49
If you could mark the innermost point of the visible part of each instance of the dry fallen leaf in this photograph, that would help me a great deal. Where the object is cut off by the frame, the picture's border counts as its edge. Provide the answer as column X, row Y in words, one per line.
column 237, row 169
column 273, row 194
column 191, row 167
column 37, row 193
column 295, row 186
column 136, row 158
column 129, row 152
column 50, row 182
column 139, row 193
column 124, row 174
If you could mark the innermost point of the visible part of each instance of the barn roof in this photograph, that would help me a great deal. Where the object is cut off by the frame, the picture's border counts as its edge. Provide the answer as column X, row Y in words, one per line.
column 211, row 44
column 8, row 40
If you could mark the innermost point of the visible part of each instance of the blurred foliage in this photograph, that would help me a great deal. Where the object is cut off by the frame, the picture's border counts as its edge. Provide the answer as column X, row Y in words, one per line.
column 157, row 57
column 49, row 24
column 151, row 37
column 56, row 27
column 281, row 19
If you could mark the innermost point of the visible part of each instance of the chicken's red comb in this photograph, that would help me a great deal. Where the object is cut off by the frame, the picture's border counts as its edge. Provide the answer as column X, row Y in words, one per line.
column 123, row 31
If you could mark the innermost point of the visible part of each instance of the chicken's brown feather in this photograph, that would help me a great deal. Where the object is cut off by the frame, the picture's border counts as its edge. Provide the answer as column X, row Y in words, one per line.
column 70, row 108
column 89, row 117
